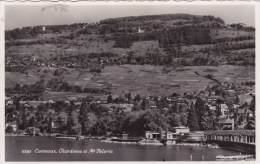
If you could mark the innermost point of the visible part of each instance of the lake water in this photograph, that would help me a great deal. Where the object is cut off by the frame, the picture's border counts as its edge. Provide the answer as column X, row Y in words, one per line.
column 108, row 151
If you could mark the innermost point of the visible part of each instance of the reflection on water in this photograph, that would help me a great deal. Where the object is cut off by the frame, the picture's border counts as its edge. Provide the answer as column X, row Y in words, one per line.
column 120, row 152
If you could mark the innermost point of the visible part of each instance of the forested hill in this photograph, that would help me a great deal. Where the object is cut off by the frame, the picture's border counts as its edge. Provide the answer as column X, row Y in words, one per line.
column 164, row 17
column 155, row 39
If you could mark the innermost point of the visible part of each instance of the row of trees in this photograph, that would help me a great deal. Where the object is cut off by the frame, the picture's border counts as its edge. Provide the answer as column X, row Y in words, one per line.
column 90, row 118
column 55, row 84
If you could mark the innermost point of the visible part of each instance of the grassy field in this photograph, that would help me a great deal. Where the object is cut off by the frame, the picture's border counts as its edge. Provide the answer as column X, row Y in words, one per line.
column 145, row 80
column 82, row 45
column 195, row 48
column 13, row 78
column 216, row 34
column 133, row 79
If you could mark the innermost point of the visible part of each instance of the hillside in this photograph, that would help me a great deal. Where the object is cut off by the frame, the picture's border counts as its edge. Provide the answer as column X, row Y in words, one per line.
column 85, row 53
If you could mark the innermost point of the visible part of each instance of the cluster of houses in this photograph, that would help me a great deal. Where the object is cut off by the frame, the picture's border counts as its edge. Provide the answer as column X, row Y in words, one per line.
column 237, row 113
column 239, row 96
column 179, row 134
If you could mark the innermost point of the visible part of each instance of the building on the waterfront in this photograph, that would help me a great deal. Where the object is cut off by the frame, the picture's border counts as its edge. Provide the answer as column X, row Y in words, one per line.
column 197, row 136
column 122, row 135
column 171, row 135
column 181, row 130
column 182, row 134
column 152, row 135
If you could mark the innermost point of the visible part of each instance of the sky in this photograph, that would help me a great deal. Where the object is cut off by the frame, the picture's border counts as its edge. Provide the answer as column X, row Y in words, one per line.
column 32, row 15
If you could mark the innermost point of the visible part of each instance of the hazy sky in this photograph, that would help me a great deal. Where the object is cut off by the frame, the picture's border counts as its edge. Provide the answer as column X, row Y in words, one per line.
column 20, row 16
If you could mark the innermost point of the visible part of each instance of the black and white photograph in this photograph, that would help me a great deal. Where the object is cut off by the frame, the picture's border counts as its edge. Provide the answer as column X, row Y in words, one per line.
column 131, row 82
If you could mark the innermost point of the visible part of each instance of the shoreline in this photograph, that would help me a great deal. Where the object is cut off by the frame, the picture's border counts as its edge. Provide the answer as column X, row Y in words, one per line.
column 208, row 145
column 117, row 141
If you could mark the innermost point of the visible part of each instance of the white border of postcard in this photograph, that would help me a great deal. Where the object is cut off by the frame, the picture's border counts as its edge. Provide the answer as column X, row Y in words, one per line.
column 74, row 2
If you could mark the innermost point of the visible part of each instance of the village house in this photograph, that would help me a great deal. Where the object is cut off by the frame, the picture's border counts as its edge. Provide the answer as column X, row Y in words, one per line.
column 212, row 99
column 242, row 115
column 236, row 106
column 43, row 28
column 8, row 98
column 126, row 107
column 224, row 110
column 212, row 93
column 140, row 30
column 11, row 124
column 226, row 123
column 212, row 107
column 51, row 102
column 9, row 102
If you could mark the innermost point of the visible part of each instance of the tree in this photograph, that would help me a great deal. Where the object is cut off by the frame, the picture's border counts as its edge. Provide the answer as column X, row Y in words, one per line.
column 250, row 123
column 83, row 118
column 192, row 119
column 201, row 109
column 109, row 99
column 32, row 122
column 102, row 126
column 237, row 99
column 252, row 104
column 204, row 124
column 144, row 104
column 73, row 126
column 184, row 119
column 17, row 88
column 22, row 123
column 62, row 121
column 17, row 103
column 50, row 125
column 134, row 123
column 137, row 97
column 163, row 103
column 89, row 122
column 174, row 120
column 154, row 121
column 9, row 129
column 136, row 106
column 129, row 97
